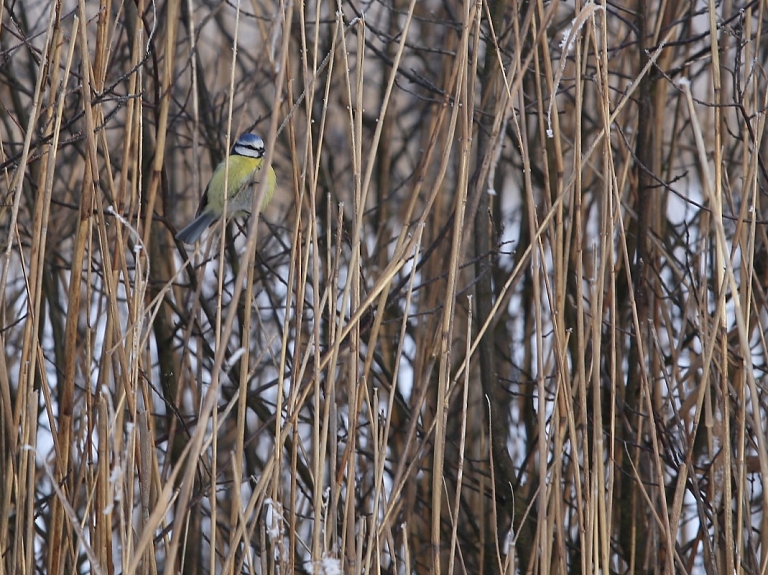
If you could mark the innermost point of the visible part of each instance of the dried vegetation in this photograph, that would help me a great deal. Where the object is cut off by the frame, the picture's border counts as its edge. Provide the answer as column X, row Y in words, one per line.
column 504, row 314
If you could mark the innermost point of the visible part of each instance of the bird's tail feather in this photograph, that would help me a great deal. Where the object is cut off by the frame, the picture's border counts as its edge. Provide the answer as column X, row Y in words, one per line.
column 191, row 233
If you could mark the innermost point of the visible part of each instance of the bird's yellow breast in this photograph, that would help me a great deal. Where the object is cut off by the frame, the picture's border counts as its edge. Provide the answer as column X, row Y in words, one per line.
column 243, row 171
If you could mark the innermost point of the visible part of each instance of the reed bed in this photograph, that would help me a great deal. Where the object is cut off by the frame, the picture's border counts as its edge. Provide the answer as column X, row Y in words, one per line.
column 504, row 314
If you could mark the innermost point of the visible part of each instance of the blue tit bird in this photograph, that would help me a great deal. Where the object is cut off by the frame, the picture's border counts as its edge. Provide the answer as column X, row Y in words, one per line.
column 246, row 163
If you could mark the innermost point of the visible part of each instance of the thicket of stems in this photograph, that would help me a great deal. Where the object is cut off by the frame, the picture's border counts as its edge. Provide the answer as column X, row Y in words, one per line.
column 504, row 314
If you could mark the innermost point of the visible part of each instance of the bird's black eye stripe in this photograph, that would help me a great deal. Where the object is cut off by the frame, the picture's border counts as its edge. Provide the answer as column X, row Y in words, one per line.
column 252, row 150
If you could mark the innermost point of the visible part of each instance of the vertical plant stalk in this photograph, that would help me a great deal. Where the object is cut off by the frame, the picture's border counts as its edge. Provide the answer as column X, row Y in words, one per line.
column 463, row 110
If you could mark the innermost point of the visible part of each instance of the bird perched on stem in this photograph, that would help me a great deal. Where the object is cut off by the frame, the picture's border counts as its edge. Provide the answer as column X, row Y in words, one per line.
column 246, row 168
